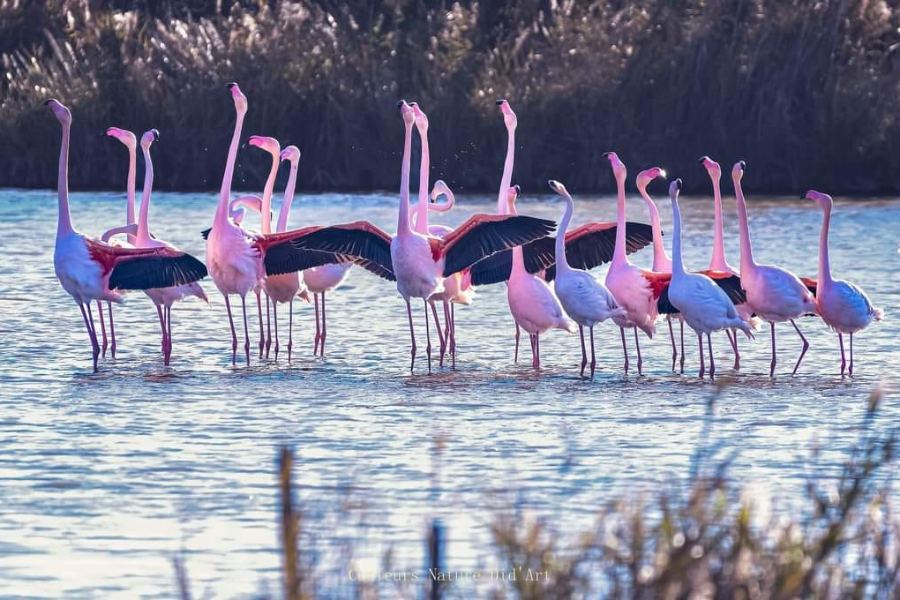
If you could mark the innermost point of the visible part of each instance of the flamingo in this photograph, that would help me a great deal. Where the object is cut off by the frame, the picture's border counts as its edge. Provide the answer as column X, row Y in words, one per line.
column 585, row 300
column 163, row 297
column 532, row 302
column 127, row 138
column 418, row 261
column 843, row 306
column 718, row 262
column 701, row 302
column 90, row 270
column 636, row 290
column 237, row 210
column 774, row 294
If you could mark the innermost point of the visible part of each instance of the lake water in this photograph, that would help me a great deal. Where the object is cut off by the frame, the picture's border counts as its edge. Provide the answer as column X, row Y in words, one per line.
column 103, row 478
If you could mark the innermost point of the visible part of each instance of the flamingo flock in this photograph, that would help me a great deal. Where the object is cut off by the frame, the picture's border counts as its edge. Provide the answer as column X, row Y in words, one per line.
column 549, row 285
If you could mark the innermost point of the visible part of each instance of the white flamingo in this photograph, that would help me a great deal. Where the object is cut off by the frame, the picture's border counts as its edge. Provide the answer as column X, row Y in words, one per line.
column 584, row 298
column 773, row 294
column 90, row 270
column 163, row 297
column 701, row 302
column 843, row 306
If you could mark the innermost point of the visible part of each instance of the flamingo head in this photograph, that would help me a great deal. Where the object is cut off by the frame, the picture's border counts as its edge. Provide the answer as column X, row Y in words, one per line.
column 509, row 117
column 269, row 144
column 558, row 187
column 421, row 117
column 737, row 172
column 618, row 166
column 823, row 200
column 63, row 114
column 441, row 188
column 291, row 153
column 646, row 176
column 240, row 100
column 124, row 136
column 149, row 137
column 406, row 111
column 711, row 166
column 674, row 190
column 511, row 196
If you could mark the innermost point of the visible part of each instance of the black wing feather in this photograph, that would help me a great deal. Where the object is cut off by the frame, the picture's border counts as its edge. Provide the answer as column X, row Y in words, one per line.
column 489, row 237
column 284, row 258
column 205, row 233
column 354, row 243
column 731, row 285
column 150, row 272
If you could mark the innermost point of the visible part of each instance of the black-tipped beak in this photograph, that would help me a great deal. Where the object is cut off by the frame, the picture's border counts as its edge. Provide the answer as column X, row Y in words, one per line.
column 230, row 84
column 678, row 184
column 400, row 103
column 518, row 189
column 743, row 165
column 47, row 102
column 701, row 160
column 606, row 154
column 500, row 102
column 155, row 135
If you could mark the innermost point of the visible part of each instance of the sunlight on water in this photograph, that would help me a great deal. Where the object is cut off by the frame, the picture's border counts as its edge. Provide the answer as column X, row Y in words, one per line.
column 105, row 477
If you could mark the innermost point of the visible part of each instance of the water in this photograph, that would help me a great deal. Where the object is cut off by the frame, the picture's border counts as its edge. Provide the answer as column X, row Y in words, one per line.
column 105, row 477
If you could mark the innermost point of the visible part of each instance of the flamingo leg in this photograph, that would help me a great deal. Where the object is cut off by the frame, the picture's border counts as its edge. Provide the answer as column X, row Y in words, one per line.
column 637, row 345
column 262, row 333
column 453, row 333
column 246, row 329
column 168, row 335
column 112, row 331
column 536, row 355
column 268, row 326
column 593, row 354
column 533, row 349
column 624, row 348
column 437, row 326
column 234, row 341
column 102, row 326
column 412, row 335
column 851, row 355
column 772, row 366
column 275, row 318
column 88, row 324
column 162, row 329
column 427, row 337
column 290, row 327
column 702, row 361
column 733, row 338
column 324, row 328
column 843, row 357
column 583, row 350
column 318, row 331
column 712, row 361
column 805, row 348
column 681, row 327
column 518, row 333
column 672, row 337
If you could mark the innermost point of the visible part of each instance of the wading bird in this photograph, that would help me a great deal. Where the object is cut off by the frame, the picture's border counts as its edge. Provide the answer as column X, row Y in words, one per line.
column 90, row 270
column 843, row 306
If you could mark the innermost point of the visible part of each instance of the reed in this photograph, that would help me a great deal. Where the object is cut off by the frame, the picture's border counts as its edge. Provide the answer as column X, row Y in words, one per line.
column 807, row 93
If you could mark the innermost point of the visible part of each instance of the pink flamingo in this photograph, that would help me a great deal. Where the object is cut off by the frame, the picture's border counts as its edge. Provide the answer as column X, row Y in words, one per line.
column 418, row 261
column 843, row 306
column 90, row 270
column 270, row 145
column 774, row 294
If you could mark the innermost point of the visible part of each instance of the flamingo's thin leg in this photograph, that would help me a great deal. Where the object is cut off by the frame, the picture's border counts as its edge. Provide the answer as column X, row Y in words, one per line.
column 672, row 337
column 772, row 366
column 702, row 360
column 805, row 348
column 537, row 351
column 94, row 343
column 234, row 341
column 168, row 335
column 246, row 329
column 275, row 318
column 712, row 361
column 593, row 354
column 518, row 333
column 637, row 345
column 737, row 353
column 427, row 337
column 102, row 327
column 268, row 326
column 318, row 331
column 681, row 327
column 851, row 355
column 290, row 327
column 843, row 357
column 453, row 333
column 162, row 328
column 624, row 348
column 262, row 332
column 533, row 350
column 112, row 331
column 583, row 350
column 95, row 349
column 412, row 335
column 324, row 328
column 437, row 326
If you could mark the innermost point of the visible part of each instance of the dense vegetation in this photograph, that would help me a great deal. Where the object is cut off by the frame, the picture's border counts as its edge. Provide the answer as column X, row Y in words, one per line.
column 807, row 92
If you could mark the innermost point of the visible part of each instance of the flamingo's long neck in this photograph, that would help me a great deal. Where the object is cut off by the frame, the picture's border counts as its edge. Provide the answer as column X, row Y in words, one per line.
column 130, row 206
column 619, row 257
column 718, row 261
column 677, row 258
column 225, row 194
column 661, row 262
column 518, row 260
column 506, row 179
column 288, row 198
column 422, row 214
column 64, row 218
column 562, row 264
column 824, row 262
column 747, row 263
column 266, row 212
column 403, row 216
column 143, row 234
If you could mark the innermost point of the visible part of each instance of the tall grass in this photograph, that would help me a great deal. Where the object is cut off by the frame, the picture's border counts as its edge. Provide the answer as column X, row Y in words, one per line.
column 807, row 92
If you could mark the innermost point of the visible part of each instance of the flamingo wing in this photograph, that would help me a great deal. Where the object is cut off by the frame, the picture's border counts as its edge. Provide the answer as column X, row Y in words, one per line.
column 146, row 268
column 368, row 245
column 594, row 244
column 483, row 235
column 730, row 284
column 811, row 284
